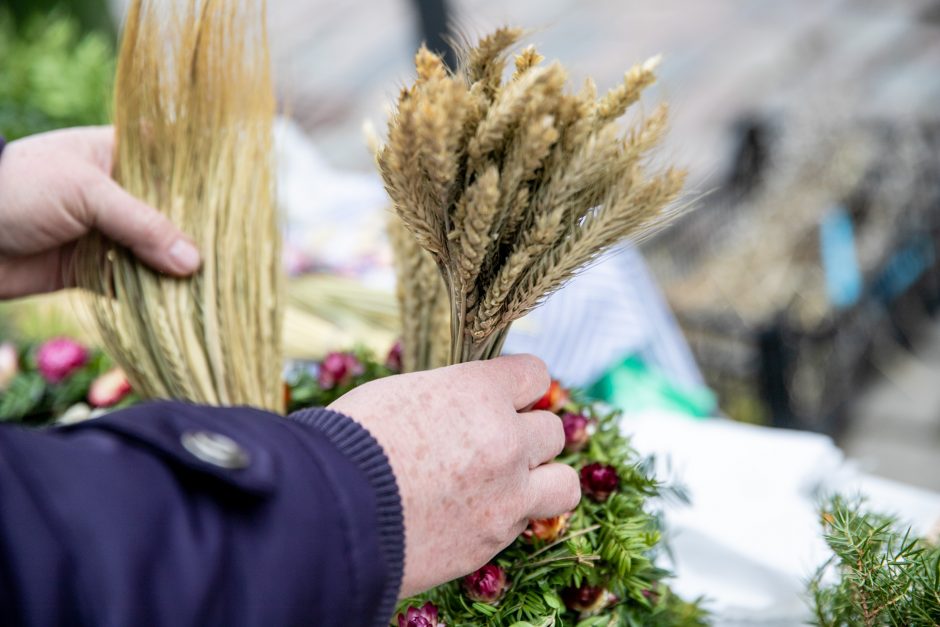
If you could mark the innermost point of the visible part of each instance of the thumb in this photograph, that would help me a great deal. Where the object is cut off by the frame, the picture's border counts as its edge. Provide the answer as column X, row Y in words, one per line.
column 147, row 232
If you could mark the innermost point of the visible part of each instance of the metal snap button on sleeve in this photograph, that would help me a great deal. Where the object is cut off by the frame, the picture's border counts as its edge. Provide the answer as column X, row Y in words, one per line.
column 216, row 449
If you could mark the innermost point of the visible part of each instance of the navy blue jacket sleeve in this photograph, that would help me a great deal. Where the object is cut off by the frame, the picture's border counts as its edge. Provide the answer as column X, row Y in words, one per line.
column 182, row 515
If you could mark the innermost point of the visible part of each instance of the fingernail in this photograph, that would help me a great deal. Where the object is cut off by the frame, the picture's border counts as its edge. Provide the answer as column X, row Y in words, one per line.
column 185, row 255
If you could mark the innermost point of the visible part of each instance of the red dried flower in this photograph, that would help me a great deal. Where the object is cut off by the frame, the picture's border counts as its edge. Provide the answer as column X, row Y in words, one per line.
column 598, row 481
column 487, row 585
column 338, row 369
column 554, row 399
column 109, row 388
column 587, row 599
column 393, row 360
column 424, row 616
column 286, row 394
column 60, row 358
column 576, row 431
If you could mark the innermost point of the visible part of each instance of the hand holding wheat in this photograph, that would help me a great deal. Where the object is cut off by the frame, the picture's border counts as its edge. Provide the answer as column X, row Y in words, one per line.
column 55, row 188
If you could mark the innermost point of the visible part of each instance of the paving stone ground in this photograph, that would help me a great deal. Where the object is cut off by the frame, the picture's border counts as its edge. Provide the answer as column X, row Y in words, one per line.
column 340, row 62
column 895, row 423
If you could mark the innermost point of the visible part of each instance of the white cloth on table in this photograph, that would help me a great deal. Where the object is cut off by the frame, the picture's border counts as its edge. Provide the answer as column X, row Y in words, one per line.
column 751, row 538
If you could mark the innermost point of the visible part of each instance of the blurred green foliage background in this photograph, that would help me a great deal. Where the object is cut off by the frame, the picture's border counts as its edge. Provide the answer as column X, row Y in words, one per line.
column 56, row 65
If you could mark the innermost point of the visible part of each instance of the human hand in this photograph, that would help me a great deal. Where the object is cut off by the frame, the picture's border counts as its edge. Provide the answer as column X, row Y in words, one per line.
column 56, row 187
column 472, row 465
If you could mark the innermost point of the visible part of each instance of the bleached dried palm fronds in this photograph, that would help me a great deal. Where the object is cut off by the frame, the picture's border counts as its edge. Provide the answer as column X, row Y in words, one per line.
column 327, row 313
column 194, row 108
column 510, row 189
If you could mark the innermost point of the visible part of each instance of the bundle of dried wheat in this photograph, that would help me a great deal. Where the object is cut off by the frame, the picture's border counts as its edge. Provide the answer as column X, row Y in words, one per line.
column 512, row 187
column 194, row 107
column 422, row 302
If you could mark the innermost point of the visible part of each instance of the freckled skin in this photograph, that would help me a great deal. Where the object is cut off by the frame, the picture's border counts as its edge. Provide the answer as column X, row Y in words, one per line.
column 421, row 452
column 55, row 188
column 462, row 449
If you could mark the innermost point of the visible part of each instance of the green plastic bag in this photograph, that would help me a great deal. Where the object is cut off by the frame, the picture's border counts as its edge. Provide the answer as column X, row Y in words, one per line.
column 634, row 387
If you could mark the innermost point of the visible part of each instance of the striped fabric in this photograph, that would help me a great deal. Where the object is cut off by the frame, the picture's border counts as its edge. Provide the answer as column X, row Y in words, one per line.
column 611, row 311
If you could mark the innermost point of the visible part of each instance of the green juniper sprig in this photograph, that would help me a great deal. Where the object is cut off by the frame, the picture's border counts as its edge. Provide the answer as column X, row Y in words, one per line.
column 879, row 573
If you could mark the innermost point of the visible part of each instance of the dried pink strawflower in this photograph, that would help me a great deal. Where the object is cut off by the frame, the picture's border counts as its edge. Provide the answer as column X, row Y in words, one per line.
column 598, row 481
column 59, row 358
column 338, row 369
column 576, row 431
column 547, row 529
column 9, row 364
column 424, row 616
column 486, row 585
column 109, row 389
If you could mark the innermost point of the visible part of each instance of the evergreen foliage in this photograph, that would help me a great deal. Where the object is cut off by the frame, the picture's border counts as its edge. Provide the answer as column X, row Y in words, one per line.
column 879, row 573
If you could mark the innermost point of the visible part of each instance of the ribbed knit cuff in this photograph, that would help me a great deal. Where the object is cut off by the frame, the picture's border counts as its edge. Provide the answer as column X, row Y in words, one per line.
column 358, row 445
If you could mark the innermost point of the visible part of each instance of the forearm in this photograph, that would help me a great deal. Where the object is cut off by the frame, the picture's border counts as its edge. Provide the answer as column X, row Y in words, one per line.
column 147, row 516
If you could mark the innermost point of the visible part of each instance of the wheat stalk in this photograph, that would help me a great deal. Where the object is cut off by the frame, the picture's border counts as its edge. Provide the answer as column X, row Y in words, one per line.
column 526, row 60
column 484, row 63
column 193, row 111
column 516, row 187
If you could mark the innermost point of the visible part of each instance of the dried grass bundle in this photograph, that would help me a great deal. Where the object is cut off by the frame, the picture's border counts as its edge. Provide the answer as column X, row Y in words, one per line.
column 509, row 189
column 421, row 293
column 194, row 108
